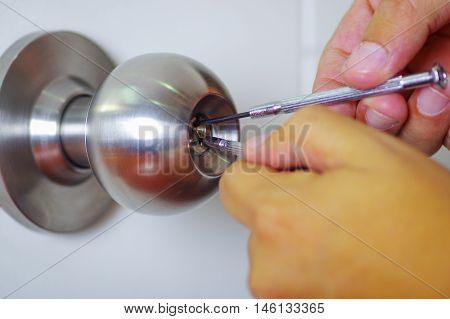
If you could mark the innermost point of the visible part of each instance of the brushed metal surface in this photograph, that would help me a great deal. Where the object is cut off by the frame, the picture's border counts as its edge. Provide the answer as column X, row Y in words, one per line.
column 139, row 134
column 74, row 133
column 39, row 75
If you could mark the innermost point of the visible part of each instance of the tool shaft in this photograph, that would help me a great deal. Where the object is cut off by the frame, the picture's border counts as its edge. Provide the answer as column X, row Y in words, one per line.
column 227, row 146
column 436, row 76
column 345, row 94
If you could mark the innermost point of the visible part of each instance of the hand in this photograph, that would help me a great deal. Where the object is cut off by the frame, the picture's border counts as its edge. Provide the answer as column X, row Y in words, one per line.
column 370, row 218
column 378, row 39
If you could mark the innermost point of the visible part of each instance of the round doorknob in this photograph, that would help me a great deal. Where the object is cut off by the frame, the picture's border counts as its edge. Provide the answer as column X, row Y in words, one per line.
column 77, row 132
column 140, row 132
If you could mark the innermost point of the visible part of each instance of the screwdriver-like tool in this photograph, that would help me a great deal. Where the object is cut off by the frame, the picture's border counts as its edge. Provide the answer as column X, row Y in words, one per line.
column 436, row 76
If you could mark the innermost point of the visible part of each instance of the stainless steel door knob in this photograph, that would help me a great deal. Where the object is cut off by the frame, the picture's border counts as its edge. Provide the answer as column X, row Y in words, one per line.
column 75, row 132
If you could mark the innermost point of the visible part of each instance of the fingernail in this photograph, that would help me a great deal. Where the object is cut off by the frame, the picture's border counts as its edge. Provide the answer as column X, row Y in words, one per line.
column 379, row 120
column 368, row 57
column 431, row 102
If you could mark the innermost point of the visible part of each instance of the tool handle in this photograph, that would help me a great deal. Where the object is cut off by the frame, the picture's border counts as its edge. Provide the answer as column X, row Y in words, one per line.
column 436, row 76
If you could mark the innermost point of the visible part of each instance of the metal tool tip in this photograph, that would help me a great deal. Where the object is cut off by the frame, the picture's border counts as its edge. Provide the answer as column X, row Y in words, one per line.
column 232, row 117
column 440, row 76
column 203, row 131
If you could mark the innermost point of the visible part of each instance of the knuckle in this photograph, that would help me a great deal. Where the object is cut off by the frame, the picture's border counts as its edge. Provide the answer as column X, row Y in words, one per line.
column 373, row 4
column 260, row 285
column 273, row 284
column 410, row 5
column 255, row 286
column 413, row 4
column 268, row 223
column 441, row 17
column 275, row 228
column 392, row 14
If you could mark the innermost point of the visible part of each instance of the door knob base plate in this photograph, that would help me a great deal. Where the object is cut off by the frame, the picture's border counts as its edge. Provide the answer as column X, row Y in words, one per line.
column 39, row 75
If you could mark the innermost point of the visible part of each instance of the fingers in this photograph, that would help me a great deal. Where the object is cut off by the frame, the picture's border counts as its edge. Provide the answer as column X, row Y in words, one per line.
column 397, row 32
column 346, row 38
column 427, row 124
column 383, row 37
column 264, row 185
column 232, row 190
column 447, row 140
column 317, row 139
column 385, row 113
column 429, row 117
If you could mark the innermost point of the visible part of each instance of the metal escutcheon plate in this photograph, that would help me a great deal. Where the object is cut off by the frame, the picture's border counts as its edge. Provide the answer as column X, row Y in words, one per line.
column 39, row 75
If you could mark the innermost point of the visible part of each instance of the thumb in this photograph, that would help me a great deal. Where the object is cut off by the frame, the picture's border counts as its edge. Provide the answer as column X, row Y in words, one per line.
column 396, row 33
column 320, row 140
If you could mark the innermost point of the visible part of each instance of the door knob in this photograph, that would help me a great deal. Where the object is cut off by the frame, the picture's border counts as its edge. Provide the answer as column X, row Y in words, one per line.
column 77, row 132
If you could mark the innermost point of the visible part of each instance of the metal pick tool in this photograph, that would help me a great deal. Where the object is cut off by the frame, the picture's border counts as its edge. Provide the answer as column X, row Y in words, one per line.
column 436, row 76
column 232, row 147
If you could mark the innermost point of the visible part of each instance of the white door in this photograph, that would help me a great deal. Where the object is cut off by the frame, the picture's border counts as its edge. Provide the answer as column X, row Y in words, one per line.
column 262, row 50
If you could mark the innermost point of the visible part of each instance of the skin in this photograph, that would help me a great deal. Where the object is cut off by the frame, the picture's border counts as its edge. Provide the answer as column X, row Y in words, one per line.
column 369, row 219
column 414, row 34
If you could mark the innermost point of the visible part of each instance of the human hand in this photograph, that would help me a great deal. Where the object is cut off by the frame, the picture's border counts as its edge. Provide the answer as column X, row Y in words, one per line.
column 369, row 219
column 378, row 39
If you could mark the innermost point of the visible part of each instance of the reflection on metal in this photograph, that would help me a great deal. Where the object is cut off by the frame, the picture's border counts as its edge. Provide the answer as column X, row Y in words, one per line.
column 65, row 151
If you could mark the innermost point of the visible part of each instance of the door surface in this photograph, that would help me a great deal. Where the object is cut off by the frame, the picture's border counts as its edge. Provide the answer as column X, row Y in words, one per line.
column 262, row 50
